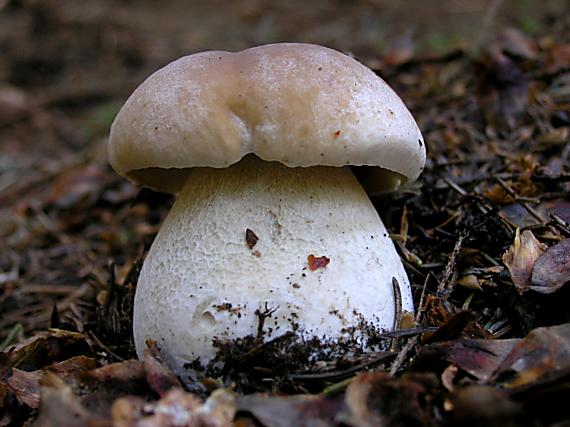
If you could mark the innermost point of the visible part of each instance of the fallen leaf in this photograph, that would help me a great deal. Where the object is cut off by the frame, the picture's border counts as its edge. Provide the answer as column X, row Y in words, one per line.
column 552, row 269
column 376, row 399
column 179, row 408
column 126, row 411
column 102, row 386
column 59, row 407
column 26, row 385
column 448, row 377
column 497, row 194
column 519, row 216
column 520, row 258
column 470, row 282
column 159, row 377
column 250, row 238
column 57, row 346
column 317, row 262
column 481, row 405
column 478, row 357
column 451, row 328
column 127, row 371
column 75, row 186
column 518, row 44
column 176, row 408
column 541, row 354
column 290, row 411
column 436, row 312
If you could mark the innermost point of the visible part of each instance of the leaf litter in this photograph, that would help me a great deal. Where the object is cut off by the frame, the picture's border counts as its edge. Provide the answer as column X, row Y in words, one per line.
column 484, row 236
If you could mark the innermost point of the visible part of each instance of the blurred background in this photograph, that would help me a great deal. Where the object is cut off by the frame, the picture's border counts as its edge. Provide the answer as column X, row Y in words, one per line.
column 66, row 66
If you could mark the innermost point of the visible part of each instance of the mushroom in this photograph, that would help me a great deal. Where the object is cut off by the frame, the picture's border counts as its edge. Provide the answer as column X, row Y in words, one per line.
column 268, row 215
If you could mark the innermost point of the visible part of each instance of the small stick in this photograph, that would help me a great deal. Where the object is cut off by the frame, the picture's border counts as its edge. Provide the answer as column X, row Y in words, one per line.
column 445, row 284
column 402, row 355
column 525, row 205
column 421, row 306
column 341, row 375
column 560, row 223
column 398, row 310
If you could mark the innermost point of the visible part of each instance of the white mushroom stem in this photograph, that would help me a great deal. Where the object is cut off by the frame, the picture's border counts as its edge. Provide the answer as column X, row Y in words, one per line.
column 201, row 278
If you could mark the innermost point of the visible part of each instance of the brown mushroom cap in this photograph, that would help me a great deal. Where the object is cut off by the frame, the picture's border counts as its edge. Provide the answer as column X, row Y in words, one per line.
column 298, row 104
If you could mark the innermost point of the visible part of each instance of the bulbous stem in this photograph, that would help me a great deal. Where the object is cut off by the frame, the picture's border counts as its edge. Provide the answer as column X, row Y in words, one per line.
column 316, row 252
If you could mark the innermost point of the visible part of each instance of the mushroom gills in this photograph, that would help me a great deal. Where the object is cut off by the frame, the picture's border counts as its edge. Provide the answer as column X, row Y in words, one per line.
column 316, row 253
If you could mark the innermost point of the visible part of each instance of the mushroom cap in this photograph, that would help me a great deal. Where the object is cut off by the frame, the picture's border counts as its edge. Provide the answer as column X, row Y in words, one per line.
column 298, row 104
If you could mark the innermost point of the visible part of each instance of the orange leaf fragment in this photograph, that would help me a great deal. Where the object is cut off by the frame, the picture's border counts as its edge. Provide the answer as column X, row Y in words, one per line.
column 317, row 262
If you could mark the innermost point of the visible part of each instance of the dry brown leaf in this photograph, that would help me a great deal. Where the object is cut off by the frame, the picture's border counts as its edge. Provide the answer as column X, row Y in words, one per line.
column 497, row 194
column 480, row 405
column 126, row 411
column 26, row 385
column 540, row 355
column 376, row 399
column 60, row 408
column 159, row 377
column 176, row 408
column 250, row 238
column 290, row 411
column 470, row 282
column 179, row 408
column 518, row 43
column 552, row 269
column 448, row 377
column 78, row 185
column 520, row 258
column 452, row 328
column 58, row 345
column 479, row 358
column 127, row 371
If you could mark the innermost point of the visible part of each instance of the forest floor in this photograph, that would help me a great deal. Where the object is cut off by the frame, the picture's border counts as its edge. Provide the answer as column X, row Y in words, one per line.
column 484, row 234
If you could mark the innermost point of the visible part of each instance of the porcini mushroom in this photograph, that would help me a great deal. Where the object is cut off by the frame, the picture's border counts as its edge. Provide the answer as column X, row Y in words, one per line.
column 256, row 143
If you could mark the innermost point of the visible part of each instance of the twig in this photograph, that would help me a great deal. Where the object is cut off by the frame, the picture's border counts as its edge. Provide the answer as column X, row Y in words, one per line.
column 403, row 333
column 341, row 375
column 48, row 289
column 454, row 186
column 104, row 347
column 524, row 204
column 421, row 305
column 397, row 363
column 397, row 311
column 560, row 223
column 446, row 282
column 336, row 388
